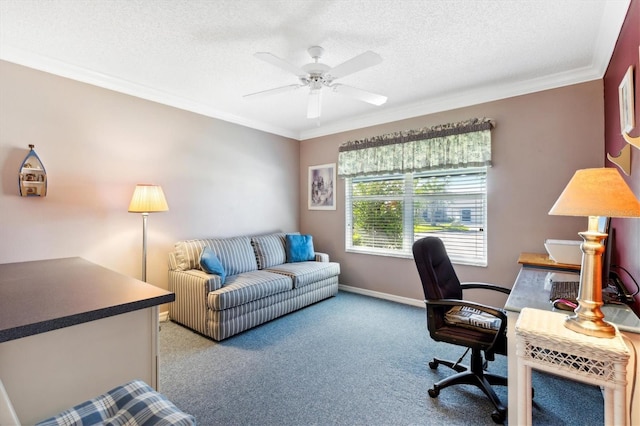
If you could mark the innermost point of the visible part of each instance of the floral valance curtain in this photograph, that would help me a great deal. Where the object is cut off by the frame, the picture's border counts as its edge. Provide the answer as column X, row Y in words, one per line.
column 446, row 146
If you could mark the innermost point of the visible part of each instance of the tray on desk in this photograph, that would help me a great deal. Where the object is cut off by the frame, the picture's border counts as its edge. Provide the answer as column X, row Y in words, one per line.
column 542, row 260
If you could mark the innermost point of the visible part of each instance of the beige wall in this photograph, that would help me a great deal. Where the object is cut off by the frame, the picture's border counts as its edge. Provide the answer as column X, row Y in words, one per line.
column 220, row 179
column 538, row 143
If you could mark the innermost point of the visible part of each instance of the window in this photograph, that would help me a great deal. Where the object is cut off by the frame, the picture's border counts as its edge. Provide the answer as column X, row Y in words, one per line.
column 386, row 214
column 402, row 186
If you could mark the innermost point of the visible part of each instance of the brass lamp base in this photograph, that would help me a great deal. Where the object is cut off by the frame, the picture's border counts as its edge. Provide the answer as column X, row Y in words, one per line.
column 588, row 318
column 596, row 328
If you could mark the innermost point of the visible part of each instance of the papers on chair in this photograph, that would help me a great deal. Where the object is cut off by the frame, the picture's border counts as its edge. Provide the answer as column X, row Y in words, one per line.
column 468, row 316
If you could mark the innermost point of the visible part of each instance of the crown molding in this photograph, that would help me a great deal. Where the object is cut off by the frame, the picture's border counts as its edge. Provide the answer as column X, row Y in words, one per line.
column 105, row 81
column 612, row 21
column 611, row 24
column 458, row 100
column 428, row 106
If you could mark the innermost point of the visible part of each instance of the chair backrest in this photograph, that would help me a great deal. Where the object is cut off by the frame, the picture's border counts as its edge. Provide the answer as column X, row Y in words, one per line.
column 439, row 279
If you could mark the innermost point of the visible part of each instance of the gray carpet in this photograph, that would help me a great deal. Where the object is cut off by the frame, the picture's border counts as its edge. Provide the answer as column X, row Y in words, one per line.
column 348, row 360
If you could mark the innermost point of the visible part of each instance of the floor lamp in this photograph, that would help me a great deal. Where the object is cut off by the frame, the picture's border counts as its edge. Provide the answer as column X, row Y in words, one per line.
column 594, row 193
column 147, row 199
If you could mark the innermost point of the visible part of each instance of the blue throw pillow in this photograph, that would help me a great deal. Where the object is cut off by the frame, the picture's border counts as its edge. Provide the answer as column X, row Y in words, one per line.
column 210, row 263
column 299, row 248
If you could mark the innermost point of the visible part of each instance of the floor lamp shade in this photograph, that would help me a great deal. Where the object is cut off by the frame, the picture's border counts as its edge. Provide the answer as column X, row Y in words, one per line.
column 594, row 193
column 147, row 199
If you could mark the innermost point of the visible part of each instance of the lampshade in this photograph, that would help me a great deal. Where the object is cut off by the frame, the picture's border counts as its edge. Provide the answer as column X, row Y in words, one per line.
column 597, row 192
column 148, row 199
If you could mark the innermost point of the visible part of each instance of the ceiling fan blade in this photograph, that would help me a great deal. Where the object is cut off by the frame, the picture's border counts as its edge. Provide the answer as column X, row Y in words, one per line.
column 359, row 94
column 360, row 62
column 280, row 63
column 273, row 91
column 315, row 103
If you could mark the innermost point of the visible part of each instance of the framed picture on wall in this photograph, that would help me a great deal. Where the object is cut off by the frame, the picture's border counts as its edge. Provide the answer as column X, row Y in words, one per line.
column 322, row 193
column 625, row 99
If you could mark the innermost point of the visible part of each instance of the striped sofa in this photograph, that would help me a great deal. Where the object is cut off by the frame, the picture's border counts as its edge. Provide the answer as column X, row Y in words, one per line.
column 260, row 285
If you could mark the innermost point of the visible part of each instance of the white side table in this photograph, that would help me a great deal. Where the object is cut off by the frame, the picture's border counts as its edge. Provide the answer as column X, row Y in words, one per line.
column 544, row 343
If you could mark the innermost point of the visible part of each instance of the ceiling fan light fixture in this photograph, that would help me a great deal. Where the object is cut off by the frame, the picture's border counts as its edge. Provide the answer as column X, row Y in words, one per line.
column 316, row 68
column 317, row 75
column 315, row 52
column 314, row 104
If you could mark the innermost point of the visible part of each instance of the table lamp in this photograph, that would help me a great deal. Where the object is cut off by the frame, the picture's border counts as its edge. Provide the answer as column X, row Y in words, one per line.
column 594, row 193
column 147, row 199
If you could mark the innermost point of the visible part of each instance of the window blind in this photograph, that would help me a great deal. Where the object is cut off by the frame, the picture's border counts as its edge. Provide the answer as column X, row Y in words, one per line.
column 387, row 214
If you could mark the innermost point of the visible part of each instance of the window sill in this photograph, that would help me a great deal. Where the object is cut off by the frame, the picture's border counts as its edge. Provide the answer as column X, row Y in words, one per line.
column 401, row 255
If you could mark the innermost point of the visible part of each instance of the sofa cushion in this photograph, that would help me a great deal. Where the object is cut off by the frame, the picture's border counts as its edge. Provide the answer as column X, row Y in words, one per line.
column 305, row 273
column 210, row 263
column 269, row 250
column 235, row 254
column 299, row 248
column 247, row 287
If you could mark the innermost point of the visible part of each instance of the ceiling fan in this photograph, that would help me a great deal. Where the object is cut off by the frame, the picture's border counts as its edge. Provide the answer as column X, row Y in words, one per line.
column 317, row 75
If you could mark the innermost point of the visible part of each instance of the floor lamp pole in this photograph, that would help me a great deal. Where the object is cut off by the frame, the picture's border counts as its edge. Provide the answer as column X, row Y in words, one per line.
column 144, row 246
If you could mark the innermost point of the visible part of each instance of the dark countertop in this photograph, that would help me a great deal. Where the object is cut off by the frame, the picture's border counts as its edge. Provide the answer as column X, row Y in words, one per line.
column 45, row 295
column 532, row 287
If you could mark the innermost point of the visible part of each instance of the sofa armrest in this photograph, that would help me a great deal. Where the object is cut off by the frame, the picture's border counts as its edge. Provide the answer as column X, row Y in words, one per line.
column 322, row 257
column 191, row 288
column 210, row 282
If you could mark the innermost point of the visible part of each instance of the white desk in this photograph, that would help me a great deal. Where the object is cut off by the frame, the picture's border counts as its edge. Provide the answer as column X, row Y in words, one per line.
column 531, row 290
column 71, row 330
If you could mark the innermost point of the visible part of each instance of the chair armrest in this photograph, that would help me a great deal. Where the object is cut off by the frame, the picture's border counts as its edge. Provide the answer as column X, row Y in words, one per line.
column 485, row 286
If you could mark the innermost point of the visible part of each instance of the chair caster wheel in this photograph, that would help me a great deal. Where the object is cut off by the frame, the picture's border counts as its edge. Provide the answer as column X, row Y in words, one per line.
column 433, row 364
column 433, row 393
column 498, row 416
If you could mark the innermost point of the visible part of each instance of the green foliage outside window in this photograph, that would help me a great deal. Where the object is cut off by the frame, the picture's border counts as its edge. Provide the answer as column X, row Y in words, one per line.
column 377, row 211
column 378, row 222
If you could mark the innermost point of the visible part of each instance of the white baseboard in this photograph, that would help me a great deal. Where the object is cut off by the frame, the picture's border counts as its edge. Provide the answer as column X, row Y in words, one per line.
column 379, row 295
column 163, row 316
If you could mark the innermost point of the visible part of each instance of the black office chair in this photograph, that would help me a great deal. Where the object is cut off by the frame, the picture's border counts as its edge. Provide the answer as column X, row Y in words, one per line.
column 443, row 291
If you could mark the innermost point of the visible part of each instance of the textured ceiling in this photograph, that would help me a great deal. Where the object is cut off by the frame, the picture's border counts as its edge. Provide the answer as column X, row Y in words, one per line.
column 198, row 55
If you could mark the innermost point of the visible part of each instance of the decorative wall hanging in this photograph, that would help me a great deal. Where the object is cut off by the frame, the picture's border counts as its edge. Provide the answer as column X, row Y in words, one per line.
column 627, row 123
column 623, row 159
column 322, row 187
column 33, row 176
column 625, row 99
column 631, row 140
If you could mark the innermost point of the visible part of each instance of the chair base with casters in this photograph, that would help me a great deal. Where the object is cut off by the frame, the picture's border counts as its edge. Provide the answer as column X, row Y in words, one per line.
column 473, row 375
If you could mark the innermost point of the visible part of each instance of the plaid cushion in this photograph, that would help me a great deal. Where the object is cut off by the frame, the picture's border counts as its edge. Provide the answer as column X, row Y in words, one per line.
column 132, row 404
column 269, row 250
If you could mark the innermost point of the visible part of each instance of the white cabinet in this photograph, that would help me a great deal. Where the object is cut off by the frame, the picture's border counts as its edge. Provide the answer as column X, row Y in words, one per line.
column 71, row 330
